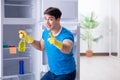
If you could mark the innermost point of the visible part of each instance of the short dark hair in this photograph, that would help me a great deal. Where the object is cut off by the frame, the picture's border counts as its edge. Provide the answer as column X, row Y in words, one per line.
column 53, row 12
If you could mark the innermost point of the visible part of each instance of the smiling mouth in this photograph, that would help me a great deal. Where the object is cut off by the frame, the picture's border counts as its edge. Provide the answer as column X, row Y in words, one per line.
column 48, row 26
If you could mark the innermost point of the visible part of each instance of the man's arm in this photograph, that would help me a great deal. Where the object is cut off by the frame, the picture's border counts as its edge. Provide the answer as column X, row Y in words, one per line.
column 64, row 46
column 29, row 39
column 38, row 44
column 67, row 46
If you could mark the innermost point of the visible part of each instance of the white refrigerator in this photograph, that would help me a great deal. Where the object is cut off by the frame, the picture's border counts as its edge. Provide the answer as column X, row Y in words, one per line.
column 28, row 15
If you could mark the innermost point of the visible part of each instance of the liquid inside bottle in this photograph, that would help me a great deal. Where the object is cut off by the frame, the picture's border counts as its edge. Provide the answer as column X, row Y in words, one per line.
column 22, row 45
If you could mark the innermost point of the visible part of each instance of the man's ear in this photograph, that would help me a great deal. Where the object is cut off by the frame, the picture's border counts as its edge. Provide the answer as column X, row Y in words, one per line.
column 58, row 19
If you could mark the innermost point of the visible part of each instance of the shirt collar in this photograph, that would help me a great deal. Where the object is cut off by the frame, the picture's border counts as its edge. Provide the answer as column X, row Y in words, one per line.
column 59, row 31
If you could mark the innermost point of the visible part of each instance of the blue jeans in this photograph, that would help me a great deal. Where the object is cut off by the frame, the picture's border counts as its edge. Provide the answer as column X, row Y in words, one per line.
column 51, row 76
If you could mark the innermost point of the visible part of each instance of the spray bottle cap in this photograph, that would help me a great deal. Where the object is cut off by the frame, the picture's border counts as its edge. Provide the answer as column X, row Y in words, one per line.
column 21, row 35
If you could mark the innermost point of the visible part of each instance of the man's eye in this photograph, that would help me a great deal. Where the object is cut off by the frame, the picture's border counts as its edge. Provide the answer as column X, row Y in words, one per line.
column 51, row 19
column 45, row 19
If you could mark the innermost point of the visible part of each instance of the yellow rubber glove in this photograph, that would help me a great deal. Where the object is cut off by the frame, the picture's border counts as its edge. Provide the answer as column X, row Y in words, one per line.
column 55, row 42
column 24, row 35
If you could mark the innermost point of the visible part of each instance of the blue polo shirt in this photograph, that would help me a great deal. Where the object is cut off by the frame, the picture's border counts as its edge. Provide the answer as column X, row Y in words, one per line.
column 59, row 62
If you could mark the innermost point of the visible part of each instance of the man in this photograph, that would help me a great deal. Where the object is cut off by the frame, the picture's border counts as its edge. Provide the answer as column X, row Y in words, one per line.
column 58, row 43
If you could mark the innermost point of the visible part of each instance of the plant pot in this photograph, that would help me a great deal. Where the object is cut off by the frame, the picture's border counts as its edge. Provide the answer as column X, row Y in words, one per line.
column 89, row 53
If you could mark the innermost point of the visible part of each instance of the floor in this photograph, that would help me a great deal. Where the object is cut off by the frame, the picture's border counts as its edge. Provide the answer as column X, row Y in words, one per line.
column 99, row 68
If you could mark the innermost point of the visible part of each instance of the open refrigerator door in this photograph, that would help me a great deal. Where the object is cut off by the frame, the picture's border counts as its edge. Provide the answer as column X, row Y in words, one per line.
column 28, row 15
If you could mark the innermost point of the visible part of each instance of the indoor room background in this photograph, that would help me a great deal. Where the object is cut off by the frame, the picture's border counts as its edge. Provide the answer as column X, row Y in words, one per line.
column 107, row 13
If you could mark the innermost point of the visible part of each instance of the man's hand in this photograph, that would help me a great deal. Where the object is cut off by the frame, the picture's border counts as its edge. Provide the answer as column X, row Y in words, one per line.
column 24, row 35
column 55, row 42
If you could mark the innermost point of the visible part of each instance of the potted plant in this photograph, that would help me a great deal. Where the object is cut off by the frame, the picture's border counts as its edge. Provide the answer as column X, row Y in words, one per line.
column 88, row 24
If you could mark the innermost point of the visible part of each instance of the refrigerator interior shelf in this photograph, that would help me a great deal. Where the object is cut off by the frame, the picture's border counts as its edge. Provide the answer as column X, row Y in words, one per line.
column 19, row 21
column 26, row 74
column 16, row 47
column 10, row 76
column 17, row 58
column 17, row 5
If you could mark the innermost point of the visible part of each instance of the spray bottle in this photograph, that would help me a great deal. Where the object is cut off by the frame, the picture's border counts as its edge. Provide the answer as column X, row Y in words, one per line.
column 22, row 43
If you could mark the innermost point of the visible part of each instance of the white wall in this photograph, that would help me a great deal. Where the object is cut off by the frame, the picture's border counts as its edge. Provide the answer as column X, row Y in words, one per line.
column 106, row 12
column 114, row 24
column 0, row 43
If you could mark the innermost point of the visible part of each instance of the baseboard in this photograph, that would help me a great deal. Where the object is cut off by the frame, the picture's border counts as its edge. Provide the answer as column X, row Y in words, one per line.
column 100, row 54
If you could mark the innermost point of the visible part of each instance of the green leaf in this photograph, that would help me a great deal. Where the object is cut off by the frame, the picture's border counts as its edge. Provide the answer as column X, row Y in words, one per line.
column 98, row 38
column 83, row 37
column 89, row 22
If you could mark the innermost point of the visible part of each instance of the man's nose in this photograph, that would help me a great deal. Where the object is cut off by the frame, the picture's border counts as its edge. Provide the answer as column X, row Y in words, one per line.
column 47, row 21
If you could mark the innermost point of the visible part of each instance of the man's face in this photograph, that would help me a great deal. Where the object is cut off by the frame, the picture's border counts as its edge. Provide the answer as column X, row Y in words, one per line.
column 51, row 22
